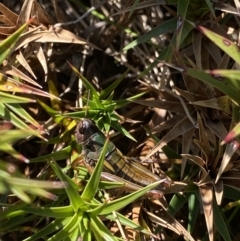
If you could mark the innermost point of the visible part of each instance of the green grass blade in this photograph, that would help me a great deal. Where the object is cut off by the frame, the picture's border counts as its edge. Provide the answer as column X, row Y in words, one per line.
column 10, row 98
column 71, row 190
column 58, row 155
column 220, row 223
column 193, row 207
column 107, row 91
column 51, row 228
column 7, row 45
column 20, row 111
column 166, row 27
column 181, row 13
column 226, row 45
column 228, row 87
column 93, row 182
column 124, row 201
column 51, row 212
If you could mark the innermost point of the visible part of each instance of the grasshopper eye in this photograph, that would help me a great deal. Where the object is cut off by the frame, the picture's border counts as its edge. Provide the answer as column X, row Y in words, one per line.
column 84, row 130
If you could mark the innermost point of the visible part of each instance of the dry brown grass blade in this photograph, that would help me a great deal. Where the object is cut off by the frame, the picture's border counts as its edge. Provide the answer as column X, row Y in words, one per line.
column 206, row 152
column 219, row 191
column 176, row 187
column 230, row 150
column 206, row 193
column 167, row 124
column 175, row 107
column 141, row 5
column 224, row 7
column 224, row 61
column 11, row 16
column 198, row 161
column 25, row 12
column 29, row 37
column 221, row 103
column 179, row 129
column 217, row 127
column 60, row 35
column 202, row 131
column 213, row 50
column 10, row 85
column 189, row 96
column 186, row 143
column 58, row 13
column 5, row 31
column 136, row 208
column 42, row 17
column 47, row 36
column 20, row 58
column 16, row 72
column 164, row 219
column 192, row 84
column 4, row 20
column 42, row 59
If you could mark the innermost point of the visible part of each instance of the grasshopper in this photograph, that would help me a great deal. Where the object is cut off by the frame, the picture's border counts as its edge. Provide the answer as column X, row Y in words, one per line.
column 117, row 167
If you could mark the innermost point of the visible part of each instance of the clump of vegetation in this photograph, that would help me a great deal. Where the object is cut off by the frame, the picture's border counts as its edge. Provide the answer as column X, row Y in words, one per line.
column 159, row 78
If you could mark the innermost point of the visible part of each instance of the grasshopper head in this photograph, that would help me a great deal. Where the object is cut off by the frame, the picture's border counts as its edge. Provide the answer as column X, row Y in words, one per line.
column 84, row 130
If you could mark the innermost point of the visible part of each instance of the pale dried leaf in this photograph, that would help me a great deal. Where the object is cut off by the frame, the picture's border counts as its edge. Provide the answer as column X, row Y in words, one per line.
column 224, row 7
column 205, row 180
column 205, row 149
column 176, row 187
column 217, row 127
column 230, row 150
column 206, row 199
column 11, row 16
column 179, row 129
column 6, row 21
column 136, row 208
column 7, row 30
column 237, row 3
column 41, row 57
column 60, row 35
column 59, row 14
column 190, row 96
column 16, row 72
column 221, row 103
column 9, row 84
column 198, row 161
column 29, row 36
column 24, row 63
column 219, row 192
column 167, row 124
column 231, row 175
column 164, row 219
column 25, row 12
column 42, row 17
